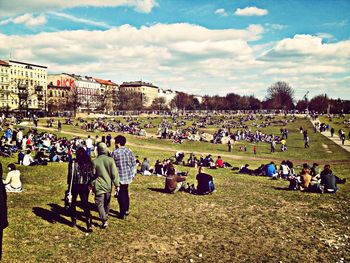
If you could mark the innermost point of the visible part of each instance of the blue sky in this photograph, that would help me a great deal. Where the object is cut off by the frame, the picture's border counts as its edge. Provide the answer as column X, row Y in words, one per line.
column 201, row 47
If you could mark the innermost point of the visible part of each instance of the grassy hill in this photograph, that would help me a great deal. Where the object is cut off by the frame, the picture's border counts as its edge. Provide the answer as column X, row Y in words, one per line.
column 248, row 218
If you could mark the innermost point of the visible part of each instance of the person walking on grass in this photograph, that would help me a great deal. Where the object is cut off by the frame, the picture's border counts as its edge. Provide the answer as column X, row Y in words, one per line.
column 126, row 164
column 306, row 141
column 273, row 146
column 105, row 174
column 80, row 175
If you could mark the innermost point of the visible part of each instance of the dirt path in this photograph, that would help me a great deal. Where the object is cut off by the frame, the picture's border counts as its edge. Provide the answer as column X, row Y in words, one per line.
column 335, row 138
column 229, row 156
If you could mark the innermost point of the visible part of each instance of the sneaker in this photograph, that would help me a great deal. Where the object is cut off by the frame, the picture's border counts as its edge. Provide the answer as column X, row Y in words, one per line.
column 105, row 224
column 127, row 213
column 122, row 217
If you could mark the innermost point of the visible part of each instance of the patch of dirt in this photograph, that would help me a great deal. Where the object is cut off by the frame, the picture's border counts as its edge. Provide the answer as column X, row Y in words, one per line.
column 325, row 146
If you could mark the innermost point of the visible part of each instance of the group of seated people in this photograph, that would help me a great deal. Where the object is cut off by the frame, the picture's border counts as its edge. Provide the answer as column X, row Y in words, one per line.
column 207, row 161
column 175, row 182
column 309, row 179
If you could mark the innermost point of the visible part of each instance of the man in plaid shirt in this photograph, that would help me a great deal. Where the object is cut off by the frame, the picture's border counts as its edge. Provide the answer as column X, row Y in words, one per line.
column 126, row 164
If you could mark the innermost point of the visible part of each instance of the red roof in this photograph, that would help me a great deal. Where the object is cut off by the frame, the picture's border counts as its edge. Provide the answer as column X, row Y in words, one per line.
column 4, row 63
column 105, row 82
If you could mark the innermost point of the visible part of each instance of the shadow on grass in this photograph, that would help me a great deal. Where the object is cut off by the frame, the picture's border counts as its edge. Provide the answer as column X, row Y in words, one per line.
column 159, row 190
column 57, row 214
column 282, row 188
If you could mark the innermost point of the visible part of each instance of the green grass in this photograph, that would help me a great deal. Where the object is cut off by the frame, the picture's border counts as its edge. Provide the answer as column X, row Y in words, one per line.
column 248, row 218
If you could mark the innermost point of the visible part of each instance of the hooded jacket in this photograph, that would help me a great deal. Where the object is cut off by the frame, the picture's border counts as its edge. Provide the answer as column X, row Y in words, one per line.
column 105, row 171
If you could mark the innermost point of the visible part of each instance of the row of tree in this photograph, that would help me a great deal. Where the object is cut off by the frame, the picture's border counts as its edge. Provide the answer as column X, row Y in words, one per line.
column 280, row 96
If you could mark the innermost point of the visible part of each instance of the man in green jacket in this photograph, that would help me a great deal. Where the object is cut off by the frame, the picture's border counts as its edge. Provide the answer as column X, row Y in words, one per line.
column 105, row 174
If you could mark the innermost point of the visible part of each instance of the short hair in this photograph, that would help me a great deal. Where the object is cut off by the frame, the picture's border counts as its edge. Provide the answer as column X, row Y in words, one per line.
column 120, row 139
column 29, row 151
column 12, row 166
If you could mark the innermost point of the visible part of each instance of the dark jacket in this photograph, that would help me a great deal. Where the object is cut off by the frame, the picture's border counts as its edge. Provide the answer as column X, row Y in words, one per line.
column 329, row 182
column 203, row 180
column 83, row 174
column 3, row 204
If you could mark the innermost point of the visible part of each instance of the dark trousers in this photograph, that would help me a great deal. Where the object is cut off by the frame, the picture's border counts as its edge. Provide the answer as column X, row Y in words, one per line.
column 102, row 203
column 123, row 199
column 83, row 192
column 1, row 243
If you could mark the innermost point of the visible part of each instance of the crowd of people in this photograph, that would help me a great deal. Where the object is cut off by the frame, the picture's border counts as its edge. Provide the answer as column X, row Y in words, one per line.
column 310, row 179
column 119, row 167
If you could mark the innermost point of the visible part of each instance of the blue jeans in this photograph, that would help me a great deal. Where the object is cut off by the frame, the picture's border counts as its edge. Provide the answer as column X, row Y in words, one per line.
column 211, row 186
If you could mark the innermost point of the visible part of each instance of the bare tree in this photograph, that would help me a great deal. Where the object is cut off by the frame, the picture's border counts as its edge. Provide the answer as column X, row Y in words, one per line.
column 73, row 100
column 280, row 96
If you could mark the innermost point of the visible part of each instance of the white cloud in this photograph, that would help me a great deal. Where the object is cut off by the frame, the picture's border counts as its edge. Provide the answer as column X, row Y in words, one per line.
column 221, row 12
column 80, row 20
column 251, row 11
column 15, row 7
column 325, row 35
column 337, row 24
column 27, row 19
column 308, row 45
column 275, row 26
column 189, row 58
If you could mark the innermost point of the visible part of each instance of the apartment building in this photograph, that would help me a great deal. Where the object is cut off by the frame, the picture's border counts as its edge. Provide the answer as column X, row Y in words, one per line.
column 23, row 86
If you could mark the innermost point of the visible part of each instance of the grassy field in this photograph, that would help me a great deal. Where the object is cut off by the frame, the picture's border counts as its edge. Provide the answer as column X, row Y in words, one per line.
column 248, row 219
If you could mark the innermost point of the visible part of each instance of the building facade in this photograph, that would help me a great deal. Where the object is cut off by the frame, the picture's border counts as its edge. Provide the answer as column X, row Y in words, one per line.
column 148, row 91
column 87, row 89
column 4, row 85
column 23, row 86
column 108, row 92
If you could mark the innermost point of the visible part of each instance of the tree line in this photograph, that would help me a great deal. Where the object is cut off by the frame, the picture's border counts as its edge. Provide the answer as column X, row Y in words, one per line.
column 280, row 96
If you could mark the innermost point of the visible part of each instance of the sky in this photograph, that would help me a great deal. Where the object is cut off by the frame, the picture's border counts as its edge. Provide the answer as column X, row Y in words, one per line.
column 201, row 47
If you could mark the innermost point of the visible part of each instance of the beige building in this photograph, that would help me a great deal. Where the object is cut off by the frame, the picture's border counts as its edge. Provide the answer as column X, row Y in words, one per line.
column 148, row 91
column 108, row 89
column 23, row 86
column 4, row 85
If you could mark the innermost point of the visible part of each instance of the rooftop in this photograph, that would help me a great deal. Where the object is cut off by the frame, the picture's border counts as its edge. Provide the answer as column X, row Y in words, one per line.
column 4, row 63
column 27, row 64
column 137, row 84
column 105, row 82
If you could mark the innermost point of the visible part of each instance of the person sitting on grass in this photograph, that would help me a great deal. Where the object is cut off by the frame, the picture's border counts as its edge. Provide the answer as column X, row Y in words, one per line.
column 271, row 170
column 219, row 163
column 284, row 170
column 145, row 167
column 205, row 182
column 174, row 182
column 159, row 168
column 328, row 180
column 305, row 178
column 28, row 159
column 13, row 181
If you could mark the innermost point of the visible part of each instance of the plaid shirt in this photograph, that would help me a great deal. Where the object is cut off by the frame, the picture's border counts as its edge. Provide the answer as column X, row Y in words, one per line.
column 126, row 164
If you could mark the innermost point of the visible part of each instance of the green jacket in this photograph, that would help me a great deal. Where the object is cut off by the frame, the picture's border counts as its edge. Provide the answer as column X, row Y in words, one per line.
column 105, row 171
